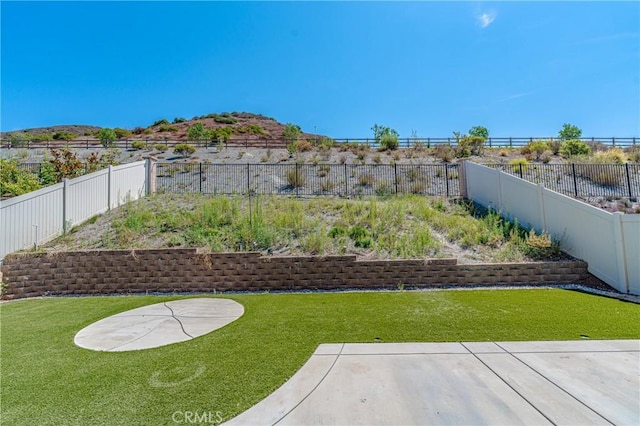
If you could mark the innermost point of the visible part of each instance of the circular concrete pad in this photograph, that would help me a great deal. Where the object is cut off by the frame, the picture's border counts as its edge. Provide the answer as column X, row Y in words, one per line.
column 159, row 324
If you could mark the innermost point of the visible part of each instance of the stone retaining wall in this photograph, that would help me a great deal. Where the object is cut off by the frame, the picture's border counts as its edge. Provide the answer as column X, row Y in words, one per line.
column 188, row 270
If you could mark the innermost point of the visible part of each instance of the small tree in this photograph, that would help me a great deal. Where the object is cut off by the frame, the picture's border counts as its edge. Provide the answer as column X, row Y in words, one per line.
column 569, row 131
column 107, row 136
column 15, row 181
column 379, row 131
column 291, row 133
column 479, row 131
column 196, row 132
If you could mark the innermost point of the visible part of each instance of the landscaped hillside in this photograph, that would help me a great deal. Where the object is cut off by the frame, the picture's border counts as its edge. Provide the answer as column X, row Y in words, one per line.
column 227, row 126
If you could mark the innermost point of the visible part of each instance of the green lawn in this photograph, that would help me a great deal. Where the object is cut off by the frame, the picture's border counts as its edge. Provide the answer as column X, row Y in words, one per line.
column 46, row 379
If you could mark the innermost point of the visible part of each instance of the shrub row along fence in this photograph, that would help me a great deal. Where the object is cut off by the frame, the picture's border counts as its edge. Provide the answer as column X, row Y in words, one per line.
column 581, row 180
column 266, row 142
column 342, row 180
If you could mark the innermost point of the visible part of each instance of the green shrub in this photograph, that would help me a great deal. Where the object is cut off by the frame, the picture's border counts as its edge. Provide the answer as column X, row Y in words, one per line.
column 540, row 246
column 161, row 147
column 15, row 181
column 389, row 142
column 475, row 144
column 517, row 163
column 360, row 236
column 138, row 145
column 47, row 174
column 573, row 147
column 537, row 148
column 107, row 136
column 184, row 149
column 224, row 119
column 167, row 128
column 64, row 136
column 179, row 120
column 147, row 131
column 159, row 122
column 122, row 133
column 295, row 178
column 291, row 133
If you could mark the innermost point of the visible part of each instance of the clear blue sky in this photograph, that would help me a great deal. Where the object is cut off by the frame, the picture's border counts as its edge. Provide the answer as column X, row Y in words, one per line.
column 519, row 69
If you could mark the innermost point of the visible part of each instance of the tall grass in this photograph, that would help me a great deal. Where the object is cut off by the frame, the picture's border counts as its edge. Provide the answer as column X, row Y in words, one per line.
column 398, row 227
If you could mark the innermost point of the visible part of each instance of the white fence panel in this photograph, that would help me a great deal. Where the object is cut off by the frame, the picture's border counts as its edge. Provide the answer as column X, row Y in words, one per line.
column 41, row 215
column 586, row 232
column 89, row 197
column 609, row 243
column 31, row 218
column 126, row 180
column 631, row 235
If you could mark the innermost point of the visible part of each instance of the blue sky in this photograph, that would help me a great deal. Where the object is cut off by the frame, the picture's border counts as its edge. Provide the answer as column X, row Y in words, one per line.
column 517, row 68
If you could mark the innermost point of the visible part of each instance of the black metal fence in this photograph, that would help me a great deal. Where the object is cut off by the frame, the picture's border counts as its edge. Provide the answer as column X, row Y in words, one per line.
column 262, row 142
column 581, row 180
column 344, row 180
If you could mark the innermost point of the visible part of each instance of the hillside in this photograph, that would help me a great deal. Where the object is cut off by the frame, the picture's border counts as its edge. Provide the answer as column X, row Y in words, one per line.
column 240, row 125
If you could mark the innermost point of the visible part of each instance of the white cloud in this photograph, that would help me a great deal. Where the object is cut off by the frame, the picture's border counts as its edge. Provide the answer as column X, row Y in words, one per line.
column 485, row 19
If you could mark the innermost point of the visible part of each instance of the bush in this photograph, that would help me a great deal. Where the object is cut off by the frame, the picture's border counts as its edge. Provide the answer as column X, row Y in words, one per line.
column 167, row 128
column 444, row 153
column 122, row 133
column 159, row 122
column 66, row 164
column 573, row 147
column 291, row 132
column 138, row 145
column 184, row 149
column 614, row 155
column 64, row 136
column 537, row 148
column 303, row 146
column 107, row 136
column 224, row 119
column 540, row 246
column 161, row 147
column 179, row 120
column 569, row 131
column 15, row 181
column 516, row 163
column 138, row 130
column 389, row 142
column 360, row 236
column 295, row 178
column 470, row 145
column 555, row 145
column 634, row 154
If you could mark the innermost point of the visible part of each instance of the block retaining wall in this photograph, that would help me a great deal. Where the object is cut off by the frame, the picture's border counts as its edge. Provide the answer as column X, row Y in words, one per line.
column 188, row 270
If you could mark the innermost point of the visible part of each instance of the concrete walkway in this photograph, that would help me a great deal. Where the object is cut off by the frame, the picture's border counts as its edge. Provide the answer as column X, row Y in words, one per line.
column 159, row 324
column 564, row 382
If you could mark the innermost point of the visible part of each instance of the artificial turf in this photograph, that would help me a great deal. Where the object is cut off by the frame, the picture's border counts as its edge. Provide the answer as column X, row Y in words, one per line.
column 46, row 379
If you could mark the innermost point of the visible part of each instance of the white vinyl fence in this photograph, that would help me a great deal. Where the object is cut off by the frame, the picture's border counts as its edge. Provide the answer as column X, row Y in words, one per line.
column 608, row 242
column 39, row 216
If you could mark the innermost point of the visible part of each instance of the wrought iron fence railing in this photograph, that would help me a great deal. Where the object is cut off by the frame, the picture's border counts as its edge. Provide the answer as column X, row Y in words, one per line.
column 581, row 180
column 269, row 142
column 344, row 180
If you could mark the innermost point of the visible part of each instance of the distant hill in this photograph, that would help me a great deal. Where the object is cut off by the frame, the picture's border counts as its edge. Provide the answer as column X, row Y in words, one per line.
column 240, row 125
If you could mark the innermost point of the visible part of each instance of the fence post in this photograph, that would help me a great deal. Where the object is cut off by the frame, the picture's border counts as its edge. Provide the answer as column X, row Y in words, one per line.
column 346, row 185
column 626, row 166
column 520, row 164
column 446, row 178
column 150, row 177
column 200, row 164
column 395, row 175
column 248, row 183
column 543, row 214
column 65, row 204
column 298, row 179
column 575, row 180
column 462, row 180
column 109, row 184
column 618, row 238
column 613, row 141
